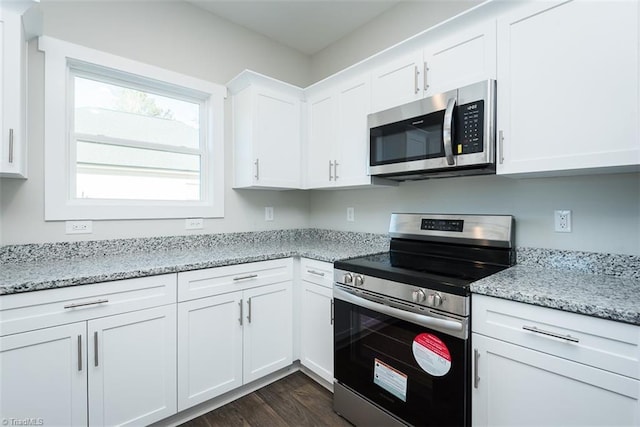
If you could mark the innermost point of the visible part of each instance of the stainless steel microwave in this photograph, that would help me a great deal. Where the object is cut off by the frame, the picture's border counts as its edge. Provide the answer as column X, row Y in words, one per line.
column 449, row 134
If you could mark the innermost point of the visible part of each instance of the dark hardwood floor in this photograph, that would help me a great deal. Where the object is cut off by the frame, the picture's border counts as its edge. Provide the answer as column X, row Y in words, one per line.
column 295, row 400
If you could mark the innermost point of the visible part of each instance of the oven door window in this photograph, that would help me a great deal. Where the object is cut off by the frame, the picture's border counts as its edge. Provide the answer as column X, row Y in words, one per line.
column 425, row 384
column 419, row 138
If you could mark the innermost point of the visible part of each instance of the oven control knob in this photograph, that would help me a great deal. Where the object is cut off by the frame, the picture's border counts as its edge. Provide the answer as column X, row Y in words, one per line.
column 418, row 295
column 435, row 300
column 347, row 278
column 359, row 280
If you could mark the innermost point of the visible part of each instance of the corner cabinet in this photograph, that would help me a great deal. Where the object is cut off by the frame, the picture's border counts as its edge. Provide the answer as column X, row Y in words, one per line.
column 13, row 151
column 545, row 367
column 568, row 99
column 102, row 354
column 266, row 132
column 235, row 325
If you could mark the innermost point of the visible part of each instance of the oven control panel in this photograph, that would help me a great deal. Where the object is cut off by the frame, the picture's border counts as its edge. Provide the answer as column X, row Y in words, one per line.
column 442, row 224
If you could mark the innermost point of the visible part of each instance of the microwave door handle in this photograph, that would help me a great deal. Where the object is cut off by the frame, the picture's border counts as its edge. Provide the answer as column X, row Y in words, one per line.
column 447, row 127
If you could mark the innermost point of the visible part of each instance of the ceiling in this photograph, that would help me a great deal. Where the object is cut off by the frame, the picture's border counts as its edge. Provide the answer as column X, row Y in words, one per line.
column 305, row 25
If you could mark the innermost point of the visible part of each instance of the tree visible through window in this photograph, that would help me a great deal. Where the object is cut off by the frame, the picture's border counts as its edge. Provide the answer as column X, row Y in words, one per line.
column 135, row 144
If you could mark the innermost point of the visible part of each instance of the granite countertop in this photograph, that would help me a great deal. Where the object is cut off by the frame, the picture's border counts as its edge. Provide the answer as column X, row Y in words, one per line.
column 575, row 288
column 34, row 271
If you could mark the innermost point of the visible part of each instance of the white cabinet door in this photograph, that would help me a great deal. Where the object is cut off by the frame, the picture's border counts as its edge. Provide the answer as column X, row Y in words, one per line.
column 321, row 139
column 44, row 376
column 277, row 139
column 466, row 57
column 13, row 160
column 132, row 367
column 354, row 103
column 268, row 330
column 209, row 348
column 568, row 87
column 396, row 83
column 316, row 329
column 517, row 386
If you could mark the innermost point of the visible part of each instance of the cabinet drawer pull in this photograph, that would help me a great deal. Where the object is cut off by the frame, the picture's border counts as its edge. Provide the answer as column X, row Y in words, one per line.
column 95, row 349
column 82, row 304
column 500, row 147
column 240, row 319
column 335, row 170
column 476, row 376
column 79, row 352
column 426, row 80
column 257, row 175
column 550, row 334
column 10, row 145
column 249, row 310
column 317, row 273
column 248, row 276
column 415, row 79
column 330, row 170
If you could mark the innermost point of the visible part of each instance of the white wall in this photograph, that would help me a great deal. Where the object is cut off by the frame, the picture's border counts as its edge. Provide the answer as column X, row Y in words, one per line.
column 404, row 20
column 605, row 208
column 176, row 36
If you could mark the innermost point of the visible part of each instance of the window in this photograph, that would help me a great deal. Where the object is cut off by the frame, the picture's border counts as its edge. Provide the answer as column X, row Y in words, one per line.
column 128, row 140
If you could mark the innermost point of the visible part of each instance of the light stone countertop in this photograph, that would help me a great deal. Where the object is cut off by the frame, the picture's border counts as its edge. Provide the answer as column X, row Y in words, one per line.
column 594, row 284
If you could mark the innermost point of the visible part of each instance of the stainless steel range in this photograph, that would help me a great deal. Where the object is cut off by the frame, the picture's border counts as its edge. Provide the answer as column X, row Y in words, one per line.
column 402, row 319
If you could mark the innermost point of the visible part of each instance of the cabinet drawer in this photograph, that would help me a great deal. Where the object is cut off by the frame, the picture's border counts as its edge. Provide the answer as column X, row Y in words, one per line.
column 596, row 342
column 41, row 309
column 219, row 280
column 318, row 272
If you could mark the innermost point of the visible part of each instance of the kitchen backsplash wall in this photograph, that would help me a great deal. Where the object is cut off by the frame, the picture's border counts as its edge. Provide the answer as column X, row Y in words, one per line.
column 605, row 208
column 176, row 36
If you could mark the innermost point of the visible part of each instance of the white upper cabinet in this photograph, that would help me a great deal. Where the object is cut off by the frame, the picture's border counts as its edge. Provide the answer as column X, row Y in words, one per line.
column 13, row 151
column 464, row 58
column 338, row 136
column 397, row 82
column 568, row 88
column 266, row 132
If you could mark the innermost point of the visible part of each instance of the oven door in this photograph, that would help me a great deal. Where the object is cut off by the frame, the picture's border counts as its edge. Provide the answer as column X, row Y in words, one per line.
column 417, row 373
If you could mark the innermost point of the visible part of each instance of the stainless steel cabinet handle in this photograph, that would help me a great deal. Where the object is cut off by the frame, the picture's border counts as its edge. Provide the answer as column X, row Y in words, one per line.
column 82, row 304
column 95, row 349
column 248, row 276
column 240, row 319
column 332, row 311
column 335, row 170
column 10, row 145
column 79, row 352
column 257, row 163
column 476, row 377
column 416, row 73
column 249, row 310
column 426, row 80
column 446, row 130
column 500, row 147
column 330, row 166
column 317, row 273
column 550, row 334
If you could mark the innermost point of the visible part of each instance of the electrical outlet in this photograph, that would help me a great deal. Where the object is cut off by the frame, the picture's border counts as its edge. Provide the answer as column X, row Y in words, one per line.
column 268, row 213
column 350, row 215
column 562, row 220
column 194, row 223
column 78, row 227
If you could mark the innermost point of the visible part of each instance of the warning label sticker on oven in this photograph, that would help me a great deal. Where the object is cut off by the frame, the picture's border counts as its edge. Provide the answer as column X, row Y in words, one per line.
column 390, row 379
column 431, row 354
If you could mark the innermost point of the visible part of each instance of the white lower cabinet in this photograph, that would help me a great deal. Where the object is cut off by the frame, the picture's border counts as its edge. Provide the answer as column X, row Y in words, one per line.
column 231, row 339
column 535, row 366
column 44, row 375
column 316, row 318
column 90, row 368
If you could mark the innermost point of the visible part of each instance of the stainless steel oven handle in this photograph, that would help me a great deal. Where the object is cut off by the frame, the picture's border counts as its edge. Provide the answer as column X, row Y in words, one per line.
column 419, row 319
column 447, row 128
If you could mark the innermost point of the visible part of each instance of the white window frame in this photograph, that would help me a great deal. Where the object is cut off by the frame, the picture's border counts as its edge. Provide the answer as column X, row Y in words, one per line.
column 60, row 198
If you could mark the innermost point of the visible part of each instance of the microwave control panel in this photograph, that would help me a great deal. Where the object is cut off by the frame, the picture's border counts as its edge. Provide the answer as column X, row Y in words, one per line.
column 470, row 128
